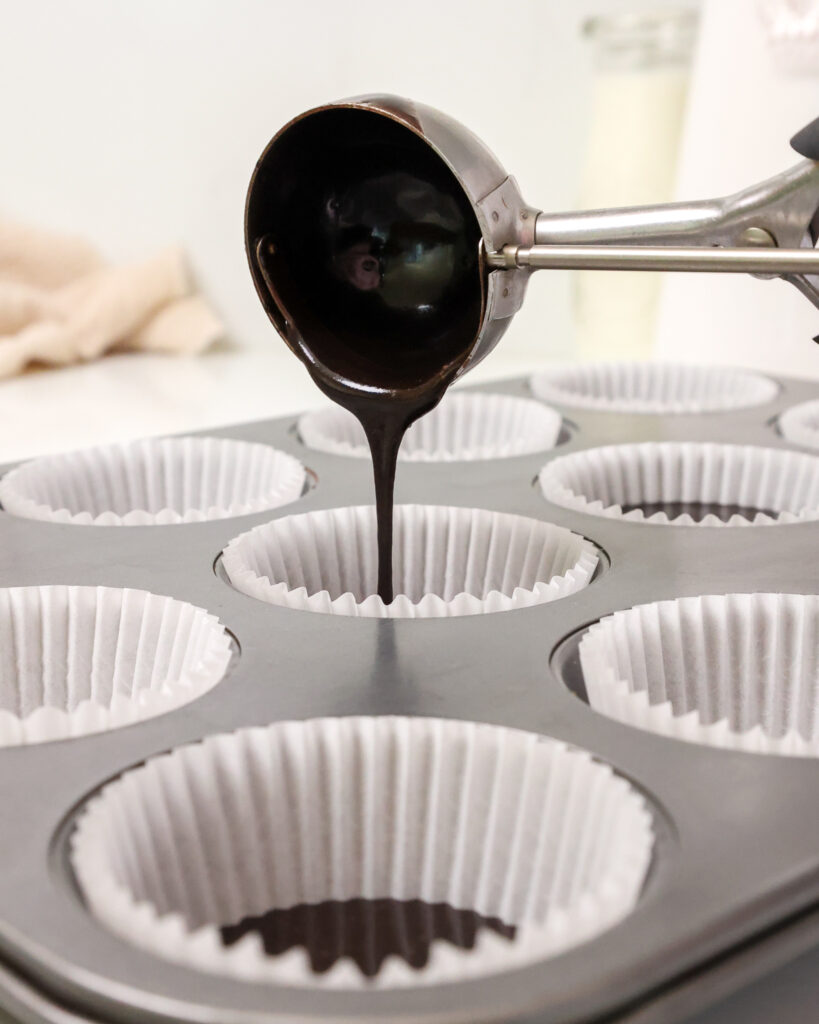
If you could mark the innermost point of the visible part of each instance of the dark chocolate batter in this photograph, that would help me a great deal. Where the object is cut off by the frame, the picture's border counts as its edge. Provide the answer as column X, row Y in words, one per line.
column 365, row 252
column 367, row 931
column 698, row 510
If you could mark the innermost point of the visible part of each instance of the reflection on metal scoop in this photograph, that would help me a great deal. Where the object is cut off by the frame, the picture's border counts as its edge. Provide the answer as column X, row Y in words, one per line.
column 389, row 246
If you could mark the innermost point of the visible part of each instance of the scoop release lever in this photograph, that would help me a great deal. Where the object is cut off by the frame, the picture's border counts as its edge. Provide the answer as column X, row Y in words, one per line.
column 806, row 140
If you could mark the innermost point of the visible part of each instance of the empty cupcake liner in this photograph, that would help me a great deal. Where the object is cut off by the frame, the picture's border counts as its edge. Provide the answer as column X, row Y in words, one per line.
column 153, row 482
column 653, row 387
column 800, row 424
column 733, row 670
column 446, row 561
column 783, row 486
column 79, row 660
column 463, row 427
column 510, row 824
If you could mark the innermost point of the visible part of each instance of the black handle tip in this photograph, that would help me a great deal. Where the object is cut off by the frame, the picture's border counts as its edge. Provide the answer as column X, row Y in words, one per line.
column 806, row 141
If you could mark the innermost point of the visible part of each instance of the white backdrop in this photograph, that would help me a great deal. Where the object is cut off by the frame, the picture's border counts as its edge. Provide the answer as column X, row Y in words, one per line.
column 742, row 110
column 137, row 123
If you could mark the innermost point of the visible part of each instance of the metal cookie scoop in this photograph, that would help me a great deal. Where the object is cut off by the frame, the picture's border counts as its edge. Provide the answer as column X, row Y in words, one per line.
column 389, row 245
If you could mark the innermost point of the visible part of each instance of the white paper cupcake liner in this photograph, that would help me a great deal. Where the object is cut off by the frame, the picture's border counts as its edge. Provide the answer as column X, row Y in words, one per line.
column 446, row 561
column 734, row 670
column 653, row 387
column 800, row 424
column 463, row 427
column 506, row 823
column 79, row 660
column 153, row 482
column 600, row 481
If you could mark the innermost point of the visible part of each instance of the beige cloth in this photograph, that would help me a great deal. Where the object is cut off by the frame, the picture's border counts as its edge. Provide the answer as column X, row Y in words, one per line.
column 60, row 303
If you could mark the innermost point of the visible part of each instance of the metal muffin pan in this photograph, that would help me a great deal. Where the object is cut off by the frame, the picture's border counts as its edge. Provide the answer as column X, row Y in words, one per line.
column 733, row 892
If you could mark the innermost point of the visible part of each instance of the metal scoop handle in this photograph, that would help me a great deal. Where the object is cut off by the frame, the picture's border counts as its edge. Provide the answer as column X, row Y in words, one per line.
column 768, row 229
column 778, row 262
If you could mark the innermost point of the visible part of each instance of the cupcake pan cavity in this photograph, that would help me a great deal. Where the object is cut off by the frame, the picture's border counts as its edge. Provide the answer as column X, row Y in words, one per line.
column 509, row 824
column 731, row 670
column 463, row 427
column 754, row 485
column 735, row 851
column 80, row 660
column 446, row 561
column 154, row 482
column 800, row 424
column 652, row 387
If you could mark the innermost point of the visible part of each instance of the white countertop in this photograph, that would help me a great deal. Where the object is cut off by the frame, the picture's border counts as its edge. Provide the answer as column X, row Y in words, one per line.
column 125, row 396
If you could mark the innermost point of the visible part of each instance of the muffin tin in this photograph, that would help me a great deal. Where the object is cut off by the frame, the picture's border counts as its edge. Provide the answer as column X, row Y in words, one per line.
column 733, row 888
